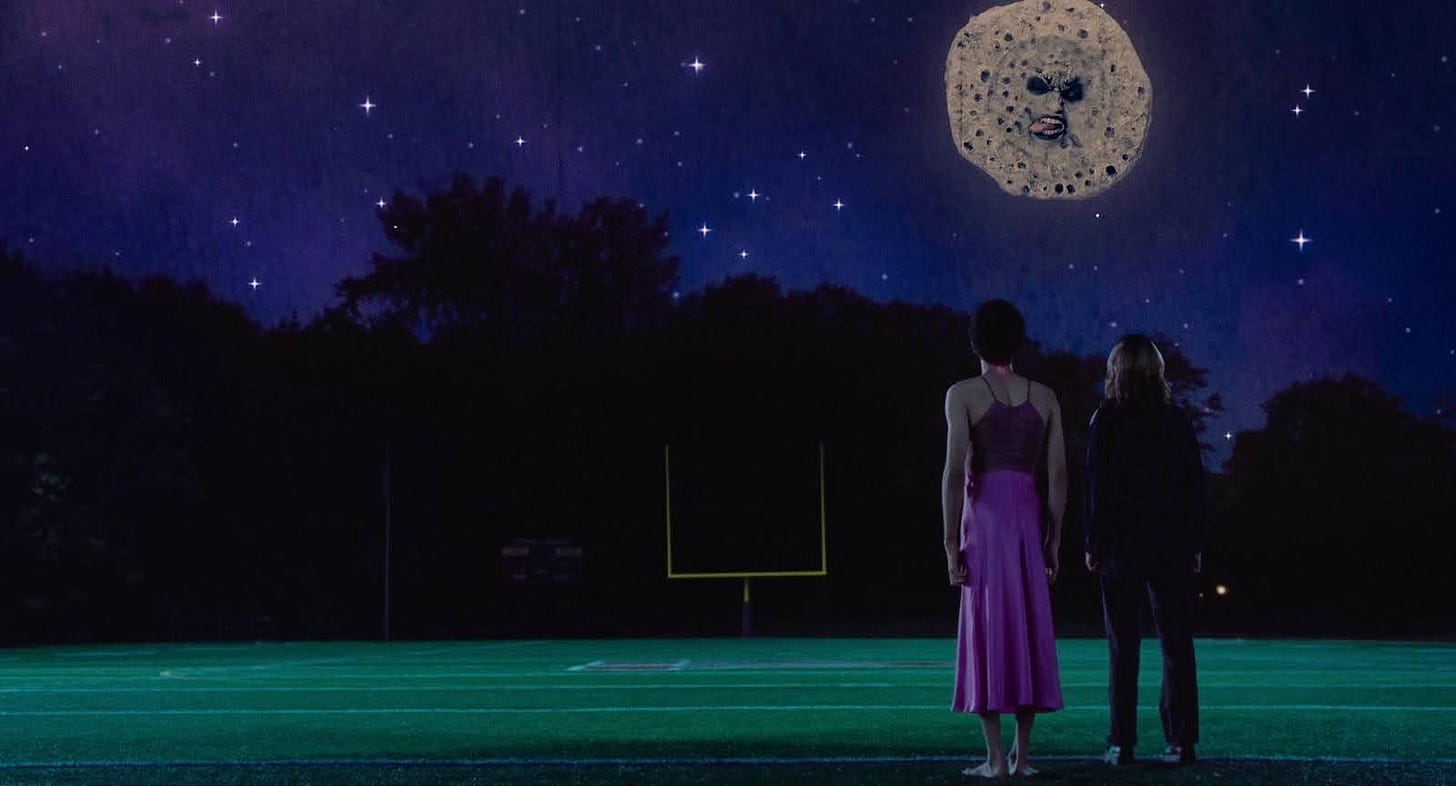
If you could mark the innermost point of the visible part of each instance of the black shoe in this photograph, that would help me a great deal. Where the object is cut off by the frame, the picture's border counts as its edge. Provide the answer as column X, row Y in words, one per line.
column 1178, row 755
column 1118, row 756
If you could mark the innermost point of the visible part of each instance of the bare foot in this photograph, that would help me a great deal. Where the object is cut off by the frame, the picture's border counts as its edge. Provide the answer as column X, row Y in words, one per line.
column 985, row 771
column 1018, row 768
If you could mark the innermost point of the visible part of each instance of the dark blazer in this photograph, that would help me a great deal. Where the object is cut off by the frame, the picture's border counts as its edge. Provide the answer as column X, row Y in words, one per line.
column 1145, row 507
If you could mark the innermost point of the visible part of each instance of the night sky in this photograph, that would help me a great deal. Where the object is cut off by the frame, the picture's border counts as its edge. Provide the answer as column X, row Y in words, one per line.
column 231, row 141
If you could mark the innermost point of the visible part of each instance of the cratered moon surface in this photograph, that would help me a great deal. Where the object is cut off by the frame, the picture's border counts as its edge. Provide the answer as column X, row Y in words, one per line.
column 1048, row 98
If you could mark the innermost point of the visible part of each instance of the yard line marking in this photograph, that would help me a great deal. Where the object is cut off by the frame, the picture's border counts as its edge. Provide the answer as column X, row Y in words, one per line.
column 587, row 665
column 492, row 645
column 103, row 653
column 648, row 762
column 665, row 709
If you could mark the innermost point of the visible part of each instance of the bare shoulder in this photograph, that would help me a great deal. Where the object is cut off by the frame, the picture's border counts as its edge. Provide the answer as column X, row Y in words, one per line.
column 966, row 396
column 1044, row 399
column 1043, row 394
column 962, row 389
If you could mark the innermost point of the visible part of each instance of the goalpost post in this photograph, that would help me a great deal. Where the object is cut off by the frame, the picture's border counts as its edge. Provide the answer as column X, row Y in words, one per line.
column 746, row 576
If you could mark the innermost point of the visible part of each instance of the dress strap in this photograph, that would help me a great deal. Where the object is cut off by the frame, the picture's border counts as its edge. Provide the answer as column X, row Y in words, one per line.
column 990, row 390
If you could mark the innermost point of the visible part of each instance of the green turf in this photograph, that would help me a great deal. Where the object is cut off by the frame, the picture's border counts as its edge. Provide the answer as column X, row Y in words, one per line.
column 687, row 711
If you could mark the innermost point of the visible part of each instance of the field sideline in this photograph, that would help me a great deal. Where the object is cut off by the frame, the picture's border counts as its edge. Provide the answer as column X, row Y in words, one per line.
column 688, row 711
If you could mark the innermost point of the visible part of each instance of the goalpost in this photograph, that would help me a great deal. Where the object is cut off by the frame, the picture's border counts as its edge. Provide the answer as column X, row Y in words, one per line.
column 746, row 576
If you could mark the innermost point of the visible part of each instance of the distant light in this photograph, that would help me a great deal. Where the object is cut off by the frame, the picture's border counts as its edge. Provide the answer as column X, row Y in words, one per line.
column 1300, row 240
column 1221, row 590
column 216, row 17
column 1297, row 111
column 1228, row 435
column 697, row 65
column 1308, row 91
column 367, row 106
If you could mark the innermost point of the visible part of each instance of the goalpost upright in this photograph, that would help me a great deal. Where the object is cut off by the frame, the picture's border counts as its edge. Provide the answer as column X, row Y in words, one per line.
column 746, row 576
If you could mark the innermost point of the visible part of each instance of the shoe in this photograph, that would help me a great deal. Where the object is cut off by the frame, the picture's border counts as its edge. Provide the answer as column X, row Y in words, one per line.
column 1118, row 756
column 1178, row 755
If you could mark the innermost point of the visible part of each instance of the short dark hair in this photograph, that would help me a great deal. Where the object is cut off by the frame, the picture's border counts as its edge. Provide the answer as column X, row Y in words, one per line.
column 997, row 331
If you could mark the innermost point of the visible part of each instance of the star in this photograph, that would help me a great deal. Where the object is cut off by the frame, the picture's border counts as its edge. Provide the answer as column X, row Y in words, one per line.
column 704, row 230
column 1299, row 281
column 803, row 155
column 838, row 205
column 697, row 65
column 368, row 106
column 1297, row 111
column 1228, row 435
column 743, row 254
column 1301, row 240
column 235, row 221
column 216, row 17
column 255, row 283
column 1308, row 91
column 754, row 195
column 520, row 141
column 197, row 62
column 380, row 203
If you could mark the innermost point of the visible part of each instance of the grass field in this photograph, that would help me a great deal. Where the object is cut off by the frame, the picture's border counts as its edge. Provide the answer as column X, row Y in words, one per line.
column 700, row 711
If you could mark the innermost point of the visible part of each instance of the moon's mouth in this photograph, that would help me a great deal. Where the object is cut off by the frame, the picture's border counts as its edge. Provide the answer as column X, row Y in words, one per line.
column 1049, row 127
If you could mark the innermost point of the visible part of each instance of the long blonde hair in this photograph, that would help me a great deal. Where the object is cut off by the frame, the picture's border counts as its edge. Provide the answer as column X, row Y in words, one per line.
column 1136, row 372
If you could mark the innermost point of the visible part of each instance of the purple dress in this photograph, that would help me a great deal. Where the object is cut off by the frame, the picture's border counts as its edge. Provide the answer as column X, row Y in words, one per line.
column 1006, row 655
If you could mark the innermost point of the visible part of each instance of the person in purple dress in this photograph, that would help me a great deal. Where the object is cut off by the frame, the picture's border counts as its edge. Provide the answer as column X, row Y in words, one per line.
column 1145, row 525
column 1002, row 430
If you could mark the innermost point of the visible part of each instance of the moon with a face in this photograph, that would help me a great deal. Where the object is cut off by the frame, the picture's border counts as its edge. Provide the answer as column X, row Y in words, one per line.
column 1048, row 98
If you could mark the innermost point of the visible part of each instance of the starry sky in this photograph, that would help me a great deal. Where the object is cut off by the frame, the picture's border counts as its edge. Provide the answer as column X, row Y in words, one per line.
column 249, row 143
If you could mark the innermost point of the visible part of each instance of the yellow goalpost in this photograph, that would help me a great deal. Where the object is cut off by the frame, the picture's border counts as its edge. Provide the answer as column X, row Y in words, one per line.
column 747, row 575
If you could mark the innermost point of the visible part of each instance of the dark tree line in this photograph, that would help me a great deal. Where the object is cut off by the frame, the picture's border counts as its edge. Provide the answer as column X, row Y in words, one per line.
column 171, row 469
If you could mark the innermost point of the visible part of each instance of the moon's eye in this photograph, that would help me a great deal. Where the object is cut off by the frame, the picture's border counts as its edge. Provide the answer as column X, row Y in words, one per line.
column 1037, row 86
column 1072, row 90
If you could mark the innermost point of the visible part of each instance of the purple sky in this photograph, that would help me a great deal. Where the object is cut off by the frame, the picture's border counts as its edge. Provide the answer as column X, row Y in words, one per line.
column 121, row 149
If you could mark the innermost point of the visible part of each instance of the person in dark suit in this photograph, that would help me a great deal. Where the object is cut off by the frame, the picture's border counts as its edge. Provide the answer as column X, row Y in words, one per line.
column 1146, row 524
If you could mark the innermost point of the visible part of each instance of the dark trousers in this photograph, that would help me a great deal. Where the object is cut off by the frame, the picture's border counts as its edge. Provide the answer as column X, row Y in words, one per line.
column 1172, row 604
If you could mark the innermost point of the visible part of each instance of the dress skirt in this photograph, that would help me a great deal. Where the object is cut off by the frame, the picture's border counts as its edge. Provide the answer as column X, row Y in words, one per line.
column 1006, row 654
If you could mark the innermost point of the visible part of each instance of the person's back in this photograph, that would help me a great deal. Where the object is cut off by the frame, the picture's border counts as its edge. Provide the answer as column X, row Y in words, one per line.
column 1008, row 438
column 1148, row 505
column 1144, row 524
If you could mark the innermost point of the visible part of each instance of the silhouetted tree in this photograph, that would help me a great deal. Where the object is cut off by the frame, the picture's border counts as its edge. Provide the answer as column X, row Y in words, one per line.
column 1336, row 515
column 483, row 263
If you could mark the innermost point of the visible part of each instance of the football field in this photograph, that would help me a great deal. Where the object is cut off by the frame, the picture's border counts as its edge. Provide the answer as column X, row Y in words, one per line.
column 700, row 711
